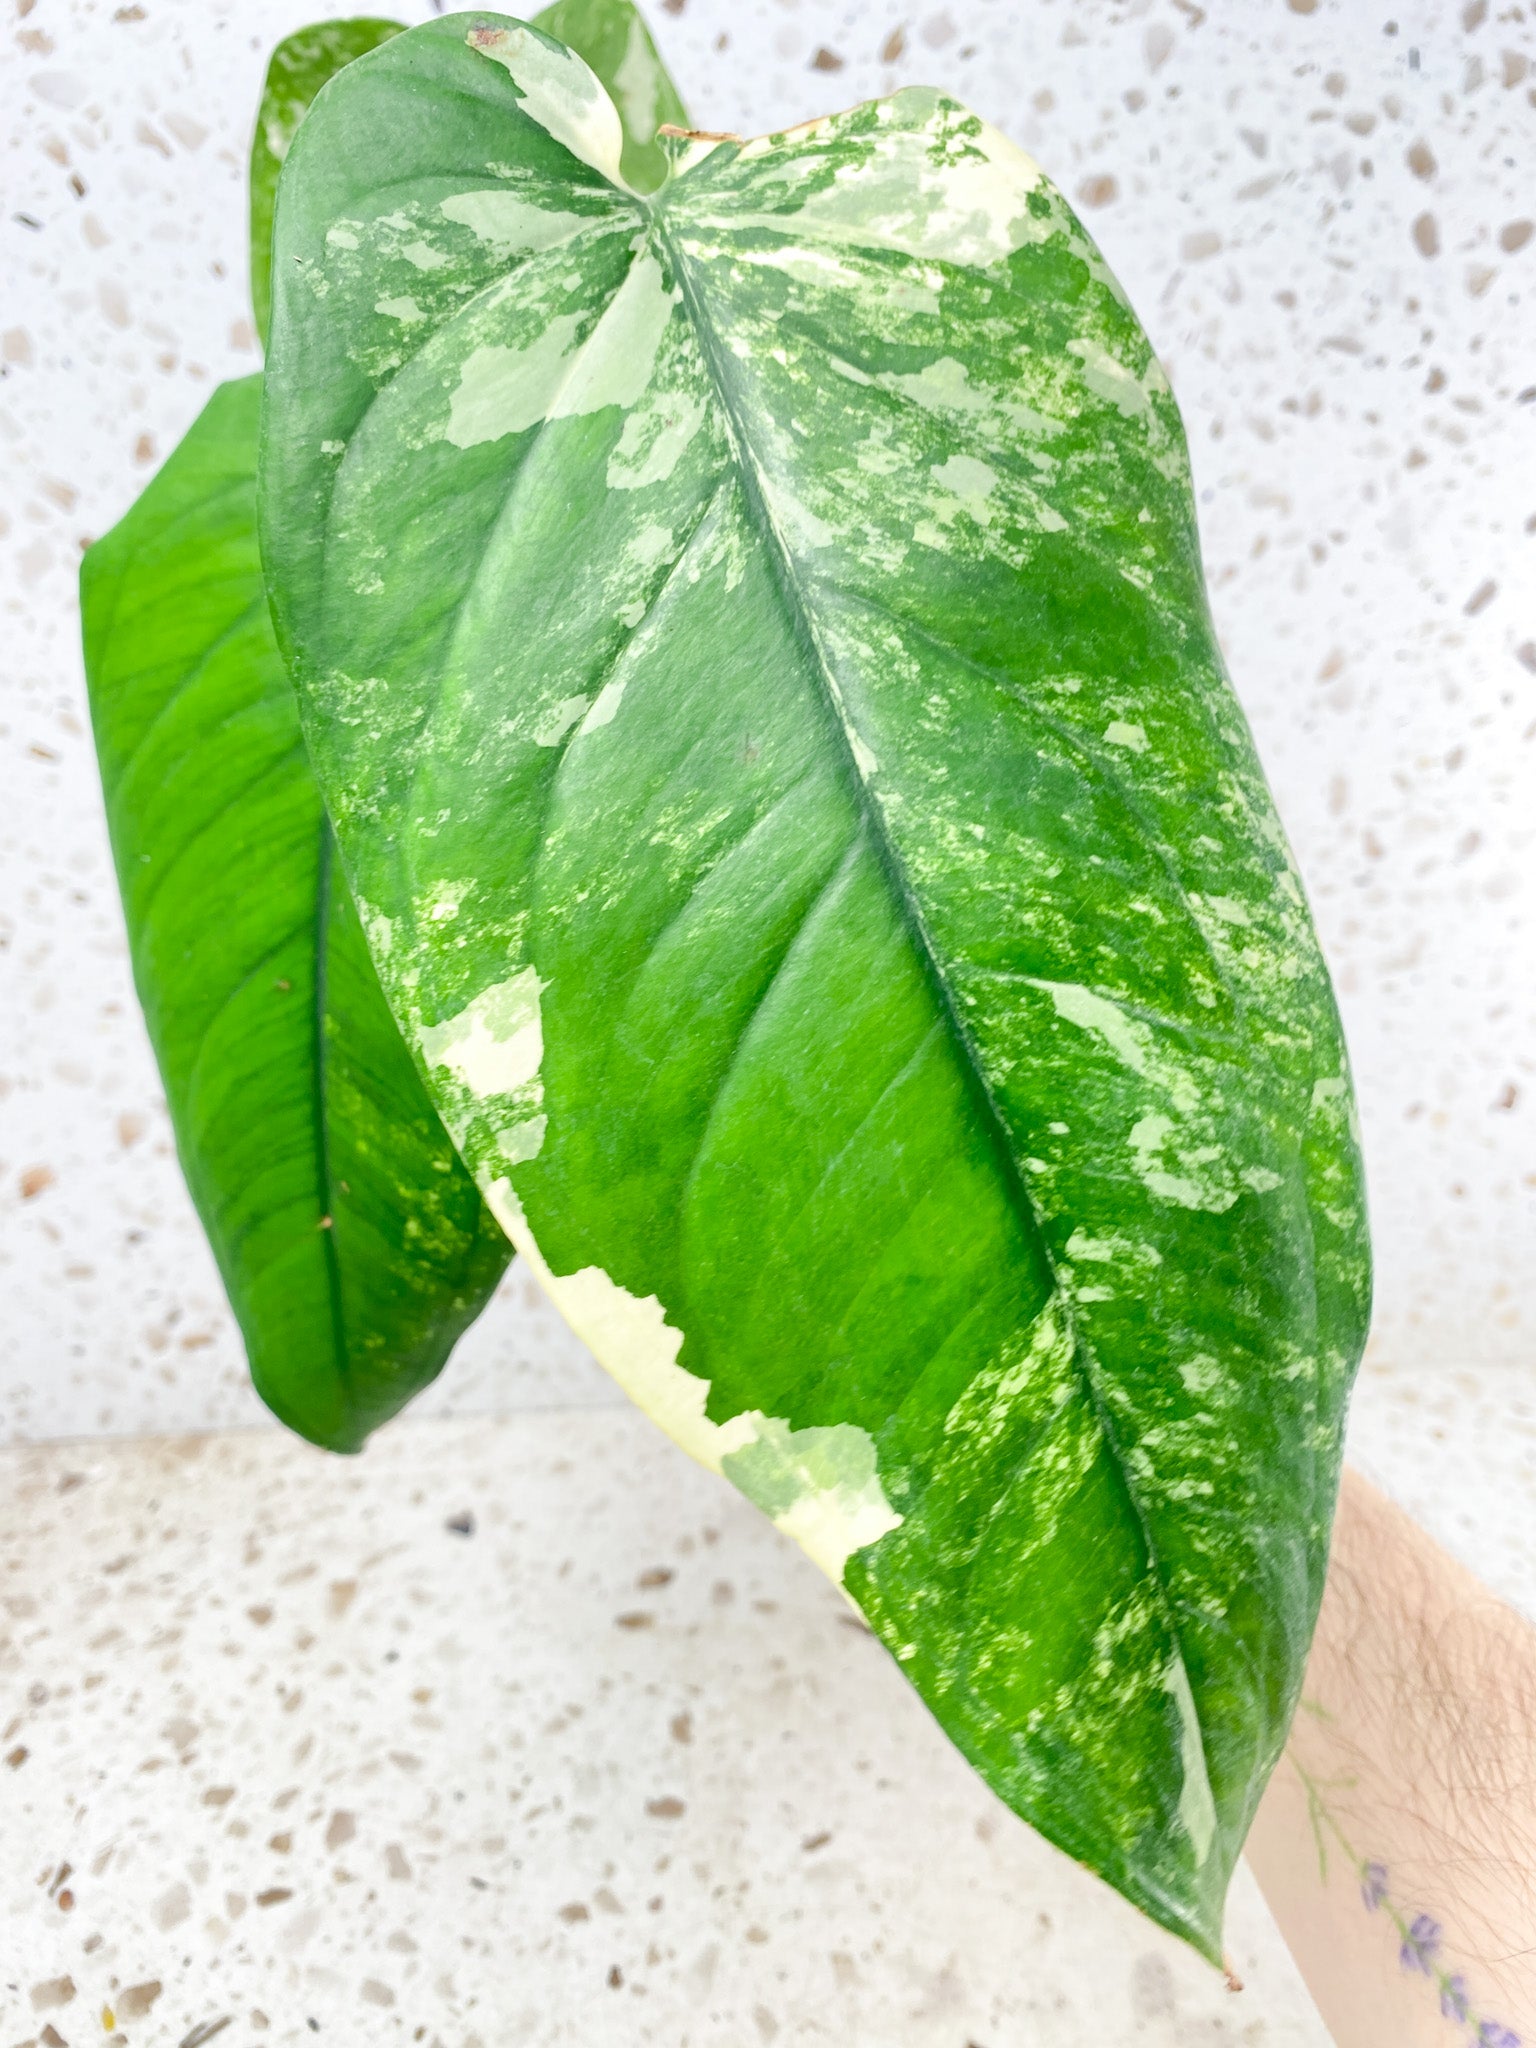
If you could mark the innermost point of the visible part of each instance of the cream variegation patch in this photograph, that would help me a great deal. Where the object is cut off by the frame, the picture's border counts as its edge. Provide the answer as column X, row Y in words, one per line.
column 495, row 1045
column 560, row 92
column 1197, row 1804
column 511, row 224
column 820, row 1486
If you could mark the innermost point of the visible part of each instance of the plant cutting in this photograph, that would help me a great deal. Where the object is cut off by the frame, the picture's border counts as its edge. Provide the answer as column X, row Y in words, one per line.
column 744, row 607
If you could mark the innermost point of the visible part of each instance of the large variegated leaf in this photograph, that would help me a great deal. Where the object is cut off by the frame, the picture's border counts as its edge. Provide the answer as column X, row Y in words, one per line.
column 753, row 645
column 354, row 1246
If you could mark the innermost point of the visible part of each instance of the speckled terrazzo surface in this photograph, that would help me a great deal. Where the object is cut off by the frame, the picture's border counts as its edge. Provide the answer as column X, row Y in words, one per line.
column 617, row 1766
column 1323, row 211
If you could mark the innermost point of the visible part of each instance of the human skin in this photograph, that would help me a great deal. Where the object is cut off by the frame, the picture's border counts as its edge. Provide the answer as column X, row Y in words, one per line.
column 1396, row 1843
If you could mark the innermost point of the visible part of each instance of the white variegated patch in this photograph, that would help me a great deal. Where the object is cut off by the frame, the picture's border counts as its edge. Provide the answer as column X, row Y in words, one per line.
column 495, row 1045
column 823, row 1483
column 560, row 92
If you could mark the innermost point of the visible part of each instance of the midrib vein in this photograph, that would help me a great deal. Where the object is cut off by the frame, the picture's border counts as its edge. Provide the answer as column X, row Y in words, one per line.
column 794, row 598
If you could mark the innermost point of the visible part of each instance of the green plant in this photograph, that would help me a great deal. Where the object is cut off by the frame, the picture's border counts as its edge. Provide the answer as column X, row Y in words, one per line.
column 750, row 638
column 352, row 1242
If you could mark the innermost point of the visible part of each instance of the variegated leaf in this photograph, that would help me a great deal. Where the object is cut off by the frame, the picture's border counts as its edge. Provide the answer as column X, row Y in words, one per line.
column 753, row 644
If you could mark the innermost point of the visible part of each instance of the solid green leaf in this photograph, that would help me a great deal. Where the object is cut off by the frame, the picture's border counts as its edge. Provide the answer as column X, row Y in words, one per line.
column 753, row 644
column 299, row 66
column 354, row 1245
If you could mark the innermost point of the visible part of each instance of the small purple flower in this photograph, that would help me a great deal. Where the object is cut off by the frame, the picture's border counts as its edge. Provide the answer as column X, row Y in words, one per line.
column 1420, row 1945
column 1454, row 2001
column 1491, row 2035
column 1373, row 1885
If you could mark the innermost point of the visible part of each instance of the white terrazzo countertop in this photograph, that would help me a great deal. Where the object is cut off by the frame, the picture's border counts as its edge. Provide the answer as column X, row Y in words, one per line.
column 531, row 1732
